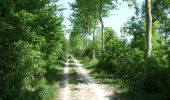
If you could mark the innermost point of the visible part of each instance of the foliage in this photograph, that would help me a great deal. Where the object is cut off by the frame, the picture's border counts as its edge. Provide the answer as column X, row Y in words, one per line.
column 124, row 60
column 31, row 38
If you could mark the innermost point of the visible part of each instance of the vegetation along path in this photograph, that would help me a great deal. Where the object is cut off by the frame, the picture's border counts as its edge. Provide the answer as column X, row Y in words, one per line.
column 78, row 85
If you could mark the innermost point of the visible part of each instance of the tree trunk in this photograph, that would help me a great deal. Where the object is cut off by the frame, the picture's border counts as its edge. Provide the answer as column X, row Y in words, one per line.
column 84, row 42
column 94, row 54
column 148, row 37
column 102, row 25
column 166, row 33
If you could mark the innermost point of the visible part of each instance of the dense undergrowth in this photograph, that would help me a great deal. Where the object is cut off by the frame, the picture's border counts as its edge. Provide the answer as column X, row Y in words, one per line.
column 123, row 88
column 48, row 85
column 32, row 43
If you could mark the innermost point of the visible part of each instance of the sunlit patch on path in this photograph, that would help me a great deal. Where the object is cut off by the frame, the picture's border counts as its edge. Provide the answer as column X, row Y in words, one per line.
column 100, row 93
column 78, row 85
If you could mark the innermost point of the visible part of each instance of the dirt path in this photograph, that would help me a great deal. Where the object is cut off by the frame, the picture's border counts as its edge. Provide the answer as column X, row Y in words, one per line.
column 78, row 85
column 64, row 92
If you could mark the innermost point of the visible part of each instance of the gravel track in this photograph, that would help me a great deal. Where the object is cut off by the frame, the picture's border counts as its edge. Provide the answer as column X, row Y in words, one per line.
column 85, row 87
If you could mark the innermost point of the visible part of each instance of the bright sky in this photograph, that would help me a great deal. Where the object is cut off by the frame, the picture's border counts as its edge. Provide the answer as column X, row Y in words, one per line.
column 116, row 19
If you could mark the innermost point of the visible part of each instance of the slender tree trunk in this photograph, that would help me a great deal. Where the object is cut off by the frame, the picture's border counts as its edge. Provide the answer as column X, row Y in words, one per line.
column 84, row 42
column 169, row 60
column 166, row 49
column 148, row 37
column 94, row 53
column 166, row 33
column 102, row 25
column 166, row 43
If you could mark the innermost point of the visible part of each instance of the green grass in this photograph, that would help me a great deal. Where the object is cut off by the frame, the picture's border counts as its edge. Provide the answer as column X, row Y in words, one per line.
column 74, row 79
column 53, row 78
column 46, row 86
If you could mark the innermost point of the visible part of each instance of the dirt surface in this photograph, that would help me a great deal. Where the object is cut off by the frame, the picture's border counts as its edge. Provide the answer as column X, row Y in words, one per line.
column 78, row 85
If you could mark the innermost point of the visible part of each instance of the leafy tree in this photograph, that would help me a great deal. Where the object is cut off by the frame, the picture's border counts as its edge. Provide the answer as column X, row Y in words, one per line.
column 31, row 39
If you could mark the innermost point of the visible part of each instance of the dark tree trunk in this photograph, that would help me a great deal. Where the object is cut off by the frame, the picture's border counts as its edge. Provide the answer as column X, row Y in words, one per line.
column 102, row 25
column 94, row 53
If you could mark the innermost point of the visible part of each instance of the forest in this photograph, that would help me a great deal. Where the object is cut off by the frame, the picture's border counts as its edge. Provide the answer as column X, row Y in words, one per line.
column 34, row 48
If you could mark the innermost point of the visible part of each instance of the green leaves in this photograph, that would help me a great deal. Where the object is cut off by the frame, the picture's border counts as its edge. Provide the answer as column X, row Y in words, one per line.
column 31, row 38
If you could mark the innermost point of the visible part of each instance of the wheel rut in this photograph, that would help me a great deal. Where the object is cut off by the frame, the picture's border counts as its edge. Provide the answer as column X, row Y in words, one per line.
column 78, row 85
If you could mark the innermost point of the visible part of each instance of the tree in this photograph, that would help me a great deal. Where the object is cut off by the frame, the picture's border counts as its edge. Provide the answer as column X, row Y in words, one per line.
column 31, row 39
column 104, row 8
column 148, row 37
column 101, row 22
